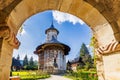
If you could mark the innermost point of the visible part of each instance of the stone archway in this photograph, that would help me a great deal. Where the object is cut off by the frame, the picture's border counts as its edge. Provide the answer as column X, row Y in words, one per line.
column 95, row 13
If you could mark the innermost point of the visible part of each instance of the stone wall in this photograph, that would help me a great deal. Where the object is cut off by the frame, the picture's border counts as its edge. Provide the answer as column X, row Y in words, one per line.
column 112, row 66
column 5, row 60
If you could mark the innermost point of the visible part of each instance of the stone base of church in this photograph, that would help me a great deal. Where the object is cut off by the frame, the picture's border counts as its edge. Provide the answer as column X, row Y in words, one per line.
column 59, row 72
column 55, row 71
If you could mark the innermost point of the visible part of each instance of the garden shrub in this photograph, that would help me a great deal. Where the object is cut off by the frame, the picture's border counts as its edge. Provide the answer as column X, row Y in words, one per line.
column 82, row 75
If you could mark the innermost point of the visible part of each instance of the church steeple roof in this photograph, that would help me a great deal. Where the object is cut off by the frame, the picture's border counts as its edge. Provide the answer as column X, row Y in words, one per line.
column 51, row 28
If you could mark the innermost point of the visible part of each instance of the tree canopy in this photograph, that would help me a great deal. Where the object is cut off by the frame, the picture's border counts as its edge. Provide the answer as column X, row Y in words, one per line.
column 85, row 57
column 31, row 62
column 25, row 61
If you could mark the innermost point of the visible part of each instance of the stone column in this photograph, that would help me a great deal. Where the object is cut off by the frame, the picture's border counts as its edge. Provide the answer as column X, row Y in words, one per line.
column 8, row 42
column 108, row 61
column 99, row 66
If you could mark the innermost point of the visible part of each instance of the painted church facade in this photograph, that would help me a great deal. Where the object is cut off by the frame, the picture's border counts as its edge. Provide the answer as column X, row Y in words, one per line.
column 52, row 53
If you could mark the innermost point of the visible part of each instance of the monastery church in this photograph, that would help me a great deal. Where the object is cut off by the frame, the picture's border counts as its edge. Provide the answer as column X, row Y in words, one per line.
column 52, row 53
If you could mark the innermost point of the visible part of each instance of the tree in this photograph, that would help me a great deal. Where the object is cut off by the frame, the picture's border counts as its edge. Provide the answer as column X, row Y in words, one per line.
column 18, row 57
column 83, row 50
column 16, row 65
column 84, row 53
column 35, row 65
column 86, row 57
column 25, row 61
column 31, row 62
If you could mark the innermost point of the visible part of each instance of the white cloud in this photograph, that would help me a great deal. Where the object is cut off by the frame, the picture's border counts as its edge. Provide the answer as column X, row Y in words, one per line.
column 62, row 17
column 21, row 31
column 88, row 46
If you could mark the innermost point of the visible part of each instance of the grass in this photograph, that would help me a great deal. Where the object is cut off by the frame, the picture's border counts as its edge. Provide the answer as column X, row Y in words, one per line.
column 31, row 75
column 82, row 75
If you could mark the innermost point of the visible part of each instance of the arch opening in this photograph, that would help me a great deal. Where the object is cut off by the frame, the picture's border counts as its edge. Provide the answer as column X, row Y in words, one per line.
column 71, row 30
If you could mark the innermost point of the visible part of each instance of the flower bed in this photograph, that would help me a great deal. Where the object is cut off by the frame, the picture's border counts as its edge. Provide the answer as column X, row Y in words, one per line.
column 31, row 75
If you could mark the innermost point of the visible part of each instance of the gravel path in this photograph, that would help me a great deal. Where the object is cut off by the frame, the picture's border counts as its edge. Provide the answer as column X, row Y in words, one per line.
column 56, row 77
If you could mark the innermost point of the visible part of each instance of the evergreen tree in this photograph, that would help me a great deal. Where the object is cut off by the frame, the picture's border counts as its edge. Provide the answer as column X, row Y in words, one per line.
column 83, row 50
column 32, row 65
column 16, row 65
column 84, row 53
column 86, row 57
column 35, row 65
column 31, row 62
column 18, row 57
column 25, row 61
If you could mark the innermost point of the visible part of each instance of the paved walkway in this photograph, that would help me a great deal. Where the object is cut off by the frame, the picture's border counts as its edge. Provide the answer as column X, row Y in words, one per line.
column 56, row 77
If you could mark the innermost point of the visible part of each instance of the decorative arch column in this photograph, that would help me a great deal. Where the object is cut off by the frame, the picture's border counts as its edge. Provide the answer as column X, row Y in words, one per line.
column 8, row 42
column 108, row 61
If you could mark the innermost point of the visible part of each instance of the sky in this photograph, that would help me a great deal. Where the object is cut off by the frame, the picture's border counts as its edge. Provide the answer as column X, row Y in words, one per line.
column 72, row 32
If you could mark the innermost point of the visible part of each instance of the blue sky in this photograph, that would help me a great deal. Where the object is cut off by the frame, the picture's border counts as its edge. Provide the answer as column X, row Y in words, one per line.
column 73, row 32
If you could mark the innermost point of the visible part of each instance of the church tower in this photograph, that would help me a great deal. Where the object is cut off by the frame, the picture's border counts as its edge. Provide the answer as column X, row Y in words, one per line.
column 51, row 33
column 52, row 53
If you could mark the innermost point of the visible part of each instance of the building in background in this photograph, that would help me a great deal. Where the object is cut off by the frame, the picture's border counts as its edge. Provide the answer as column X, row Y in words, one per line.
column 52, row 53
column 75, row 64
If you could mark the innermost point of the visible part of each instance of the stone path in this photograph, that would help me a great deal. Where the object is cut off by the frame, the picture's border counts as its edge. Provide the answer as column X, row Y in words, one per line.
column 56, row 77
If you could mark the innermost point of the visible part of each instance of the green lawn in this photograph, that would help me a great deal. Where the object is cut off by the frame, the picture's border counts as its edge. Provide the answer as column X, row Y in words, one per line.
column 82, row 75
column 30, row 75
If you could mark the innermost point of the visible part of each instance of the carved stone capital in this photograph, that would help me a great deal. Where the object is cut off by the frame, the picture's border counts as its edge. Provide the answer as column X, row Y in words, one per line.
column 12, row 40
column 111, row 47
column 9, row 36
column 102, row 50
column 4, row 30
